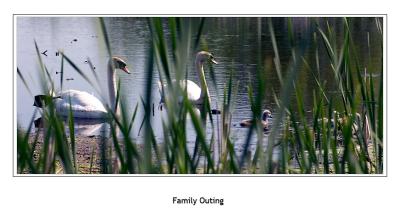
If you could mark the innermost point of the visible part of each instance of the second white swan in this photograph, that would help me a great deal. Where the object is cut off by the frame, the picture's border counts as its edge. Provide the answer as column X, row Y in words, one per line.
column 196, row 94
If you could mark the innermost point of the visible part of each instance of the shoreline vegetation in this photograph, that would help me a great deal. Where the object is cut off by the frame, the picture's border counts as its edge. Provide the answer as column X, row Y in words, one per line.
column 343, row 136
column 89, row 158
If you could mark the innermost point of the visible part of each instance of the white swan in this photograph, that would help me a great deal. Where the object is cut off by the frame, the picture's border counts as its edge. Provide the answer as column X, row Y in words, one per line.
column 83, row 104
column 196, row 94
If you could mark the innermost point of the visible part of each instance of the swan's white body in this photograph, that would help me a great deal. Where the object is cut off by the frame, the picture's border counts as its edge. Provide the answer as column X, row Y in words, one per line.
column 193, row 91
column 196, row 94
column 83, row 105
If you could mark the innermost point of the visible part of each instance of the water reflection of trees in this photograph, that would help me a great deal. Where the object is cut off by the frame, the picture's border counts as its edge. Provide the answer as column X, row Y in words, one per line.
column 236, row 38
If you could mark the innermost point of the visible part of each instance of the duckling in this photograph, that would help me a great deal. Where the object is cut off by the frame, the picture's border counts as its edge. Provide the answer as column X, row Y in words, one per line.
column 358, row 122
column 264, row 121
column 326, row 121
column 361, row 123
column 341, row 120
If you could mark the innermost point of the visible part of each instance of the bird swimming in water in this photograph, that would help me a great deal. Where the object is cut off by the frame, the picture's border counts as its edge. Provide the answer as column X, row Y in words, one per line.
column 264, row 120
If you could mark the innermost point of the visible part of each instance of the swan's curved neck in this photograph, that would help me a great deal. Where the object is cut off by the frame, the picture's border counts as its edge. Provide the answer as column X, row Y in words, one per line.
column 111, row 85
column 203, row 84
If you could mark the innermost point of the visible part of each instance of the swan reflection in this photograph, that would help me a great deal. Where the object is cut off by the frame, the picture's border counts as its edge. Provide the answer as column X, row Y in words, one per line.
column 85, row 127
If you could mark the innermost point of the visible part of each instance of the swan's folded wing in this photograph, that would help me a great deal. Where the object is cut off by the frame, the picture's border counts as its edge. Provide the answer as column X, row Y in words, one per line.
column 193, row 90
column 80, row 111
column 83, row 105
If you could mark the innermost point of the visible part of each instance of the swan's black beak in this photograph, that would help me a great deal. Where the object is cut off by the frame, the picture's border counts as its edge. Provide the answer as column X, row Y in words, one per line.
column 125, row 69
column 214, row 61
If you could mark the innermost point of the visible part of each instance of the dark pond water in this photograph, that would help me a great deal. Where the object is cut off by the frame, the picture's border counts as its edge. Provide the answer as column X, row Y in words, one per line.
column 234, row 42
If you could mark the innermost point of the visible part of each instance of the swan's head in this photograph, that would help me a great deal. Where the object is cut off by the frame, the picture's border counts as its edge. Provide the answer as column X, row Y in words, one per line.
column 204, row 56
column 43, row 100
column 266, row 115
column 120, row 64
column 38, row 102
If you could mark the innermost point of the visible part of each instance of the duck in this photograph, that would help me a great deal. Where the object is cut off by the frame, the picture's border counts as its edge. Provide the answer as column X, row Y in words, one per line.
column 264, row 120
column 355, row 126
column 84, row 104
column 196, row 94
